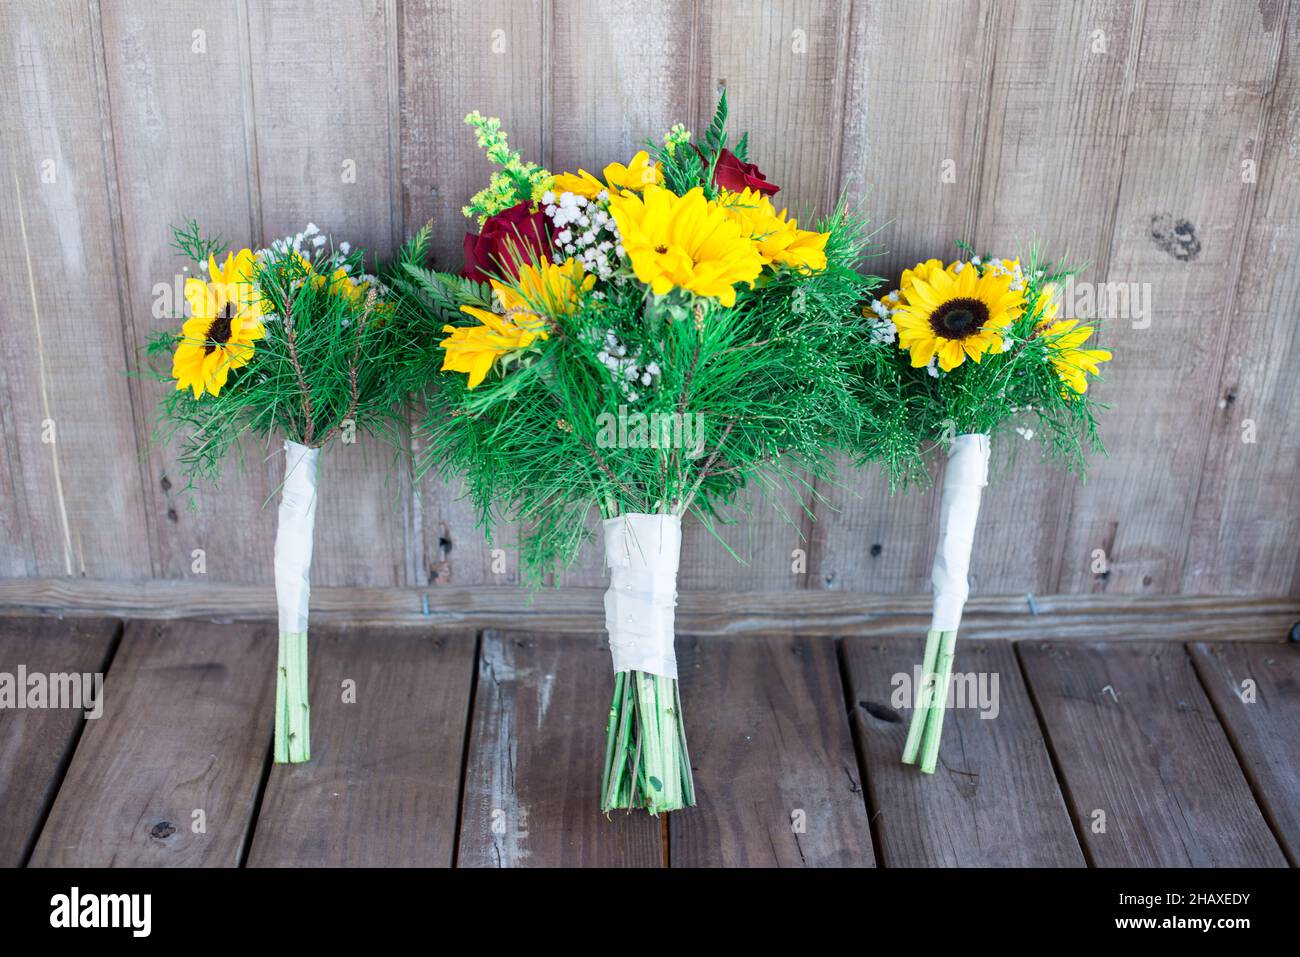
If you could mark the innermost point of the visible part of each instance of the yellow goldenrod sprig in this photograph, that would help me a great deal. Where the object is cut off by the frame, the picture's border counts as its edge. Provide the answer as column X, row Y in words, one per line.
column 516, row 181
column 679, row 135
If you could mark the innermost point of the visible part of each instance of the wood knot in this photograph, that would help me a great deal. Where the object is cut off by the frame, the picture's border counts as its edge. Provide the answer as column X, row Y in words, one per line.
column 881, row 712
column 162, row 830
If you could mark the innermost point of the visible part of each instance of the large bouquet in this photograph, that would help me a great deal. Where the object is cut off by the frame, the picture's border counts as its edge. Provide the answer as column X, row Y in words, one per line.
column 635, row 348
column 968, row 350
column 296, row 341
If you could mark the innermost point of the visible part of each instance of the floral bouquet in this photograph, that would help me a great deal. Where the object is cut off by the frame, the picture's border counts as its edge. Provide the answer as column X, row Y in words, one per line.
column 637, row 347
column 297, row 341
column 980, row 349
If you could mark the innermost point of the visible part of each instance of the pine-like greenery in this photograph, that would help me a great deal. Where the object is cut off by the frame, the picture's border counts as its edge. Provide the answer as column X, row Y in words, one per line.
column 774, row 381
column 328, row 363
column 906, row 411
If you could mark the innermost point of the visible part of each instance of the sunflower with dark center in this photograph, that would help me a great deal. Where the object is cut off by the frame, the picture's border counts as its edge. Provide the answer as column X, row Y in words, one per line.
column 225, row 320
column 955, row 314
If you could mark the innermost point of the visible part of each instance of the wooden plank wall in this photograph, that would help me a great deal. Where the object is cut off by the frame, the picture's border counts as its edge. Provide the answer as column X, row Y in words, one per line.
column 1153, row 138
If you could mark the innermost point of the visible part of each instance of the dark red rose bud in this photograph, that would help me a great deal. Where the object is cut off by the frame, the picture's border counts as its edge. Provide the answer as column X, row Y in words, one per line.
column 508, row 239
column 732, row 174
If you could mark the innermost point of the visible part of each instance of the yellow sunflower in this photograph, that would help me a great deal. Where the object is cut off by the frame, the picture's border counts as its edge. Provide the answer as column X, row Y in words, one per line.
column 953, row 317
column 925, row 272
column 546, row 288
column 636, row 175
column 685, row 242
column 1063, row 341
column 886, row 304
column 225, row 321
column 779, row 240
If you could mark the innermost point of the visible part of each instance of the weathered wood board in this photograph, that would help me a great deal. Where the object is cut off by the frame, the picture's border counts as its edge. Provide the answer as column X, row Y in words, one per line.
column 1255, row 689
column 1198, row 103
column 169, row 776
column 535, row 750
column 388, row 710
column 162, row 64
column 1148, row 771
column 72, row 443
column 36, row 743
column 775, row 775
column 994, row 800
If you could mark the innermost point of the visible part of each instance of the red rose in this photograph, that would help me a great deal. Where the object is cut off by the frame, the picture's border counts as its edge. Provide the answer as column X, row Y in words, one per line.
column 508, row 239
column 730, row 173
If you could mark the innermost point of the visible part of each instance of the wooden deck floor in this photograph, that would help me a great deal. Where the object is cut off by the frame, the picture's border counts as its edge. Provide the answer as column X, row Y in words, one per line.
column 483, row 750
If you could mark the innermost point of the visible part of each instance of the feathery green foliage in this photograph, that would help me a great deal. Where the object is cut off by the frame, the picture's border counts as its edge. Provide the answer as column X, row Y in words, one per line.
column 1017, row 389
column 770, row 381
column 325, row 366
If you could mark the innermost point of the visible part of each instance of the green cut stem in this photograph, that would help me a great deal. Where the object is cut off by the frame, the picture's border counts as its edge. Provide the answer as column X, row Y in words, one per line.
column 938, row 704
column 921, row 706
column 292, row 713
column 611, row 728
column 646, row 762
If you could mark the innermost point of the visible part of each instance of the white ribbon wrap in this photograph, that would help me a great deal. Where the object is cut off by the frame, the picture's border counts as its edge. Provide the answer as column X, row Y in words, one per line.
column 963, row 481
column 642, row 553
column 293, row 536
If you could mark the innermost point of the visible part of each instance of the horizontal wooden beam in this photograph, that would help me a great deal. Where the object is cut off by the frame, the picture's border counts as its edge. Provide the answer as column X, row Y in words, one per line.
column 1062, row 617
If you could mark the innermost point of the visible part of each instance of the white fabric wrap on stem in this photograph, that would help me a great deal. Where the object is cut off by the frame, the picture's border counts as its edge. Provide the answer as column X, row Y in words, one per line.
column 293, row 536
column 963, row 481
column 642, row 554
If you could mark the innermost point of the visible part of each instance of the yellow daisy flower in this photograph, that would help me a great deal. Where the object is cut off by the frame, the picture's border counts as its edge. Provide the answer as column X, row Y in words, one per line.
column 953, row 317
column 1063, row 341
column 474, row 349
column 225, row 321
column 778, row 240
column 545, row 290
column 636, row 175
column 341, row 284
column 685, row 242
column 354, row 291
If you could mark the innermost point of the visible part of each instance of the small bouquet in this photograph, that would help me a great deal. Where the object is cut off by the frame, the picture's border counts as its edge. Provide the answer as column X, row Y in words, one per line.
column 980, row 349
column 293, row 340
column 637, row 347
